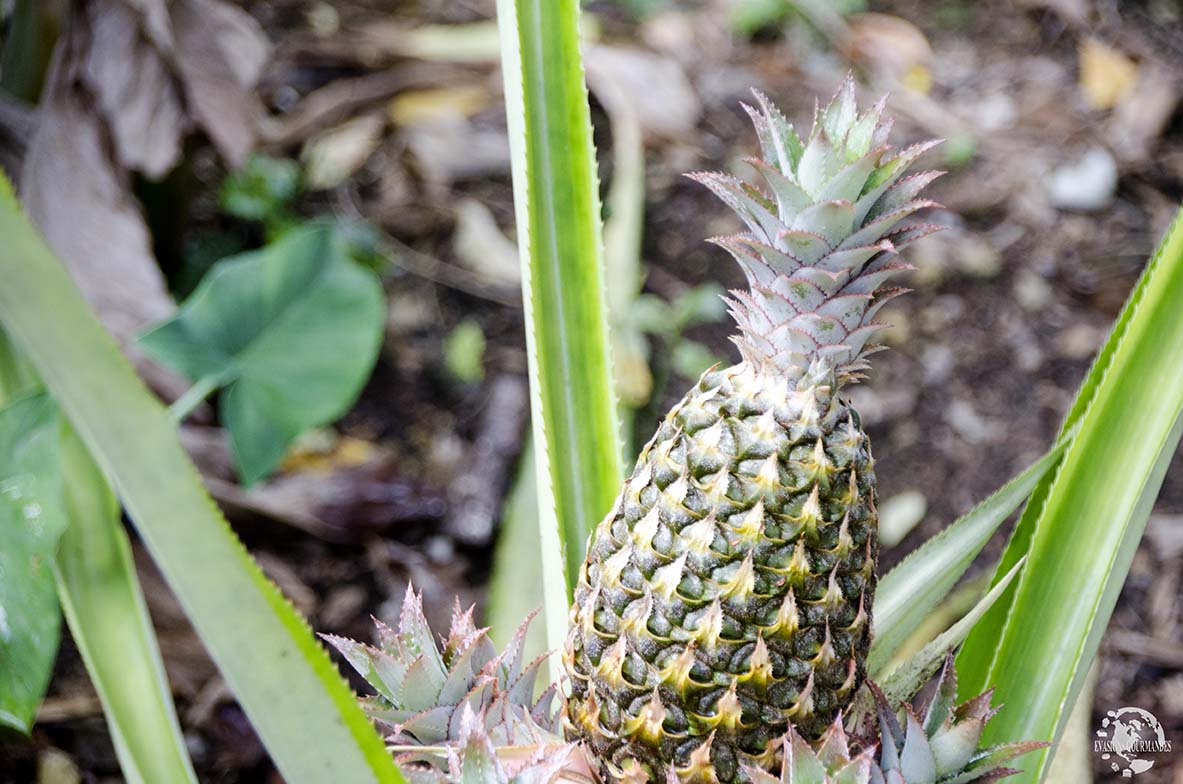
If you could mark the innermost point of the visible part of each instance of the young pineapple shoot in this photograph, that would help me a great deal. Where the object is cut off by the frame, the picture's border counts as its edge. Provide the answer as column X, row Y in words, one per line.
column 727, row 595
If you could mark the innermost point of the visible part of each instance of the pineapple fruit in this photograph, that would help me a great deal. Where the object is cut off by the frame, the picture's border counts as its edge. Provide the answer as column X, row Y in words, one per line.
column 727, row 595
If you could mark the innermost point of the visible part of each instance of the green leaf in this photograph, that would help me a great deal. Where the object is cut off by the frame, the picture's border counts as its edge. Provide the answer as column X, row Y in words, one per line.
column 702, row 304
column 653, row 315
column 907, row 594
column 515, row 586
column 464, row 352
column 1081, row 529
column 261, row 188
column 291, row 332
column 109, row 622
column 305, row 714
column 905, row 680
column 690, row 359
column 31, row 520
column 558, row 219
column 103, row 604
column 17, row 377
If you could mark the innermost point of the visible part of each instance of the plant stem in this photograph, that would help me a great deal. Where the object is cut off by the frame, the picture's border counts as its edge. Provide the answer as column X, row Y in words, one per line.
column 184, row 405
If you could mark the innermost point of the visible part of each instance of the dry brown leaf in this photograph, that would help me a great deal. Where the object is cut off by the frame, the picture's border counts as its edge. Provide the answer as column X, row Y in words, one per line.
column 358, row 491
column 455, row 149
column 127, row 81
column 338, row 100
column 417, row 107
column 1106, row 74
column 220, row 53
column 80, row 200
column 134, row 89
column 1073, row 11
column 331, row 156
column 18, row 124
column 1142, row 112
column 326, row 452
column 886, row 44
column 480, row 245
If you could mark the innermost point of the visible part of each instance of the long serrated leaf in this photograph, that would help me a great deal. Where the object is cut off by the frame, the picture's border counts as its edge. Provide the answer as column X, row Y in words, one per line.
column 908, row 592
column 558, row 219
column 1087, row 525
column 904, row 681
column 973, row 661
column 305, row 714
column 108, row 619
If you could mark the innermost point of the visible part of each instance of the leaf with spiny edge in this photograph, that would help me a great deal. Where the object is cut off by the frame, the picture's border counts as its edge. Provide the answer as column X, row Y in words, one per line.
column 836, row 215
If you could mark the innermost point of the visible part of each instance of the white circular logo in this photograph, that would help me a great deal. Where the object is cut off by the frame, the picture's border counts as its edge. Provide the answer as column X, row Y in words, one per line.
column 1128, row 739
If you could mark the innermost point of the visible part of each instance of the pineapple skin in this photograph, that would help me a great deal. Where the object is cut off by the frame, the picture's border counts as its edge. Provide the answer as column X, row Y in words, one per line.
column 729, row 591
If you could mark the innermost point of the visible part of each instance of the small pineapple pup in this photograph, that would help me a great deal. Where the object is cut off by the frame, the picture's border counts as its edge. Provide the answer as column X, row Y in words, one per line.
column 728, row 594
column 723, row 614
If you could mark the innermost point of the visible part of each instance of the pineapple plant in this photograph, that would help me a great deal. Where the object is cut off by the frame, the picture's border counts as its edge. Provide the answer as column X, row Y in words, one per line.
column 433, row 701
column 722, row 617
column 727, row 596
column 938, row 744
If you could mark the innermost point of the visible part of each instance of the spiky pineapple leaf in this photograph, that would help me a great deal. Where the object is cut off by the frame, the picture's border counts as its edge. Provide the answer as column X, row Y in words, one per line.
column 556, row 203
column 1082, row 527
column 909, row 592
column 905, row 680
column 284, row 680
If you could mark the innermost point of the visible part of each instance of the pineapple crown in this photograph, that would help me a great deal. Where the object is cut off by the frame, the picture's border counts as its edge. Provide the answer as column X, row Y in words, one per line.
column 819, row 247
column 426, row 695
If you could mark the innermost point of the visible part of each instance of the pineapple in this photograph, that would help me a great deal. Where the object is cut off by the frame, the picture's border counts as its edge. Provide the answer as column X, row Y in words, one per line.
column 727, row 595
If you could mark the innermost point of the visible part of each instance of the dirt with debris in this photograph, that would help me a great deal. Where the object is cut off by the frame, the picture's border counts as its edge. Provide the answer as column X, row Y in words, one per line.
column 1064, row 147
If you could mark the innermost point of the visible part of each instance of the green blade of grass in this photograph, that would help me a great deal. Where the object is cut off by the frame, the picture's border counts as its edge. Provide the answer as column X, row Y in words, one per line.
column 304, row 712
column 907, row 594
column 109, row 622
column 1084, row 526
column 558, row 218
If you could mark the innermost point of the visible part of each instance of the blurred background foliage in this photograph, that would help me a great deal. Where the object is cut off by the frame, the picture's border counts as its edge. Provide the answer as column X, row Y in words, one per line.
column 154, row 153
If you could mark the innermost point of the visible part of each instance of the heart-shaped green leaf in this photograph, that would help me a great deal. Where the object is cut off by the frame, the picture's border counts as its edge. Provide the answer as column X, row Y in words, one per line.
column 31, row 521
column 290, row 332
